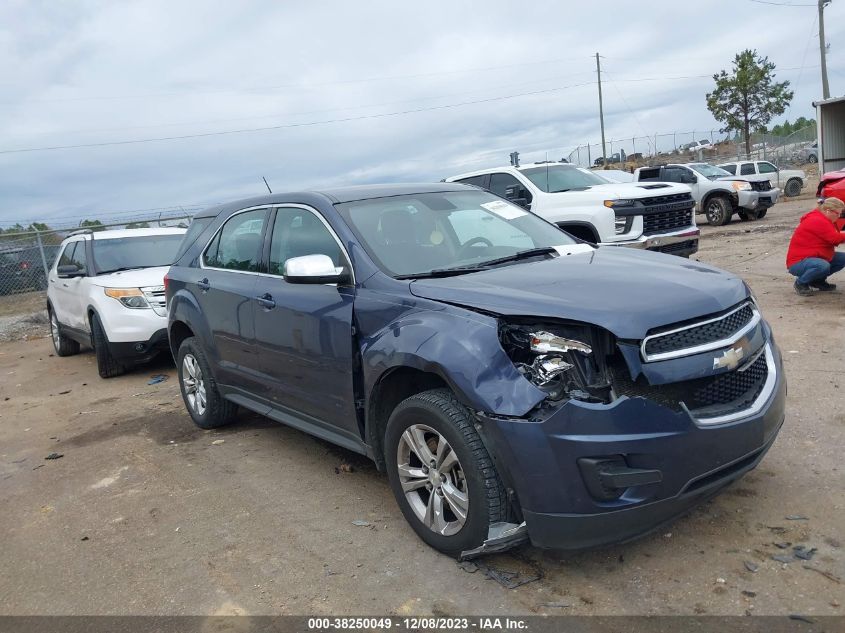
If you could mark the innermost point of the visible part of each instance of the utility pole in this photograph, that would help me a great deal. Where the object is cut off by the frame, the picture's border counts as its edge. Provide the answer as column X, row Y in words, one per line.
column 822, row 48
column 601, row 111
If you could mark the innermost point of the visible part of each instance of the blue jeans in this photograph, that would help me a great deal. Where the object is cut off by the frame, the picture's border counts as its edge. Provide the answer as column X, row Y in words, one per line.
column 816, row 269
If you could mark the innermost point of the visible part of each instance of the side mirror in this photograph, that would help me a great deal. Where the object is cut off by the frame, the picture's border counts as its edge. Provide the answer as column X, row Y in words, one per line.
column 69, row 270
column 314, row 269
column 689, row 179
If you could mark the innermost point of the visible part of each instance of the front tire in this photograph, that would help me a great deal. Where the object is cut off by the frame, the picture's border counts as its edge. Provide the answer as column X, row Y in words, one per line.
column 208, row 409
column 746, row 215
column 107, row 366
column 718, row 212
column 441, row 474
column 63, row 345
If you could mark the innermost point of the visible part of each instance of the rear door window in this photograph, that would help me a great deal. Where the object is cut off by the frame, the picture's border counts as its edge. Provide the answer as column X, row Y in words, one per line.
column 746, row 169
column 729, row 168
column 478, row 181
column 237, row 246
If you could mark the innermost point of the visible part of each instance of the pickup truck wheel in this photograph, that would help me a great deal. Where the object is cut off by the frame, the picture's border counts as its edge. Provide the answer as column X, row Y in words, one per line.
column 762, row 213
column 63, row 345
column 208, row 409
column 792, row 188
column 812, row 159
column 747, row 214
column 718, row 211
column 441, row 474
column 107, row 366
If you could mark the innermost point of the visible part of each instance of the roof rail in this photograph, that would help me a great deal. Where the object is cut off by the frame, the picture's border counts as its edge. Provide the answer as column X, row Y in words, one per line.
column 82, row 232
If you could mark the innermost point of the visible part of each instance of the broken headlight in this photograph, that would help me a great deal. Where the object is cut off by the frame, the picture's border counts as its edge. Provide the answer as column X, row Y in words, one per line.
column 565, row 361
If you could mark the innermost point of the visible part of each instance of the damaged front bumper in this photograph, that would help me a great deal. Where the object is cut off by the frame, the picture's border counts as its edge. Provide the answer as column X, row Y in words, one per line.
column 591, row 474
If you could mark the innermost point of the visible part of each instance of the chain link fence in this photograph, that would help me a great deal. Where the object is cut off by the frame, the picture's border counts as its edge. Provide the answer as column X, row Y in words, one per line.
column 26, row 256
column 697, row 145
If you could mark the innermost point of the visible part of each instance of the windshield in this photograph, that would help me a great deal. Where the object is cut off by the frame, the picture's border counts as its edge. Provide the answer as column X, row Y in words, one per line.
column 419, row 233
column 710, row 172
column 557, row 178
column 143, row 251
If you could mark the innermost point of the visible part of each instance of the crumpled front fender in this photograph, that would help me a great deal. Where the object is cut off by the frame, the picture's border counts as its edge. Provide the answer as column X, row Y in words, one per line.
column 460, row 346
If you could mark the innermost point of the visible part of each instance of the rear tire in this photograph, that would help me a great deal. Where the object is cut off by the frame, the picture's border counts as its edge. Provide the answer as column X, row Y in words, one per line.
column 207, row 408
column 451, row 501
column 792, row 188
column 63, row 345
column 718, row 211
column 107, row 366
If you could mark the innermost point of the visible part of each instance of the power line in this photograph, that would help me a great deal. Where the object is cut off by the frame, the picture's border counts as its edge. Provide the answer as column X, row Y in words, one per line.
column 322, row 111
column 782, row 4
column 298, row 86
column 290, row 125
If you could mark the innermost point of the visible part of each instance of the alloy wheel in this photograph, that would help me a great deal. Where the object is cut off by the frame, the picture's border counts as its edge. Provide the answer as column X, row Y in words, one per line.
column 194, row 384
column 54, row 329
column 432, row 479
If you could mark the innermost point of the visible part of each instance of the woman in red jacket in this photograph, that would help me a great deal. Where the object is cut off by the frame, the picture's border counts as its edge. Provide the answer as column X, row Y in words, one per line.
column 811, row 256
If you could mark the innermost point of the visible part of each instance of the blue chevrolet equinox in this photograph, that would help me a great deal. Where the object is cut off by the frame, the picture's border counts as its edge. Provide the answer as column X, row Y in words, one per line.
column 514, row 383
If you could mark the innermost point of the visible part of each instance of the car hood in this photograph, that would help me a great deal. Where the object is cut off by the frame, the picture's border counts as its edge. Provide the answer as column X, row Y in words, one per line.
column 625, row 291
column 132, row 278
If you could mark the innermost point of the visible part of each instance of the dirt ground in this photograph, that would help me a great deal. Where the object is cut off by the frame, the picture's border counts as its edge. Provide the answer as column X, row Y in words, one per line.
column 146, row 514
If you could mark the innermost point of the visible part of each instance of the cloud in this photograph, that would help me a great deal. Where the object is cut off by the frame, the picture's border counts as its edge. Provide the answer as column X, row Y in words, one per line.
column 97, row 72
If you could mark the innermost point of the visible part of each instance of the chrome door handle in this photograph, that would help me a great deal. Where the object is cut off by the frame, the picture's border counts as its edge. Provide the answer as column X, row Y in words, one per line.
column 203, row 284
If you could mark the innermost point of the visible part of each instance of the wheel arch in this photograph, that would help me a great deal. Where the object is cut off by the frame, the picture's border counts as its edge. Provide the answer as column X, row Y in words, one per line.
column 177, row 332
column 395, row 385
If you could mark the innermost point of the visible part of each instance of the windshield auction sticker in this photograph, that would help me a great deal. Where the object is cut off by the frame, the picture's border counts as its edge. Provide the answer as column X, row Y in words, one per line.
column 504, row 210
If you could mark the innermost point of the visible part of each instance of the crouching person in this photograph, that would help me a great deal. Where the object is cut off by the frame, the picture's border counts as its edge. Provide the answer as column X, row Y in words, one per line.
column 811, row 256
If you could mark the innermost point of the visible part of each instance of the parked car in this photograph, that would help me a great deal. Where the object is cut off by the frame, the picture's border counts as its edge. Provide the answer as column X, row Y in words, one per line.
column 513, row 382
column 832, row 185
column 20, row 270
column 697, row 146
column 717, row 194
column 658, row 217
column 790, row 180
column 809, row 154
column 106, row 291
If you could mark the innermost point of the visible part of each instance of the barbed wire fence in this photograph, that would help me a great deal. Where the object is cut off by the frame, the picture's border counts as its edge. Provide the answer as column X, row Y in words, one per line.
column 676, row 147
column 26, row 256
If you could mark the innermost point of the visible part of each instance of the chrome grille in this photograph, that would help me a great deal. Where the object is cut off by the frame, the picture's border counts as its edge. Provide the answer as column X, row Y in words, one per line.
column 155, row 297
column 701, row 336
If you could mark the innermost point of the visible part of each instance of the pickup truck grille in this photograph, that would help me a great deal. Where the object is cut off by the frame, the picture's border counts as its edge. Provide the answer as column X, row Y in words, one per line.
column 155, row 297
column 662, row 214
column 763, row 185
column 712, row 332
column 665, row 221
column 705, row 397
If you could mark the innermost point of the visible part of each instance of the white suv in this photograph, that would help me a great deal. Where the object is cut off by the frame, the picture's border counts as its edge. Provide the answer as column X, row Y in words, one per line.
column 106, row 291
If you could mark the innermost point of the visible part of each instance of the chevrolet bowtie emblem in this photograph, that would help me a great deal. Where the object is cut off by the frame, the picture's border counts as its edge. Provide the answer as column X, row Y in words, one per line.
column 729, row 359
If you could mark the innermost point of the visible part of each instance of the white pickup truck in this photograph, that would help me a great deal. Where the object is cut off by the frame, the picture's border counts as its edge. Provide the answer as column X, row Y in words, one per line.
column 653, row 216
column 791, row 181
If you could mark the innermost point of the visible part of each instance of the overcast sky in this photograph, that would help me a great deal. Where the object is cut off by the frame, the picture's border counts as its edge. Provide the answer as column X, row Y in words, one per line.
column 357, row 91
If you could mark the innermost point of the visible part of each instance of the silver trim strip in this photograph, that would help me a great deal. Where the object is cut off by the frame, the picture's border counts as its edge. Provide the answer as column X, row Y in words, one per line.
column 283, row 205
column 706, row 347
column 757, row 405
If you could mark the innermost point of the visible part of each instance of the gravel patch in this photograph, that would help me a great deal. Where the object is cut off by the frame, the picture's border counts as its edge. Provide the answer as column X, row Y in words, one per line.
column 23, row 327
